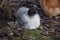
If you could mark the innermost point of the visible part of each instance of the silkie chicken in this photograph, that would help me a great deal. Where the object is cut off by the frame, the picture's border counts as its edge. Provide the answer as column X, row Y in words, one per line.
column 27, row 18
column 51, row 7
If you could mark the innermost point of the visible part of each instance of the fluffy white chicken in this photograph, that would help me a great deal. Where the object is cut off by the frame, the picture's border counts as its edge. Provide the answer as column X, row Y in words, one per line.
column 27, row 18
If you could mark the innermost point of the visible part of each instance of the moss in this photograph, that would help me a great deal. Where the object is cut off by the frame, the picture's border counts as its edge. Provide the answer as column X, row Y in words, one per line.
column 16, row 38
column 34, row 35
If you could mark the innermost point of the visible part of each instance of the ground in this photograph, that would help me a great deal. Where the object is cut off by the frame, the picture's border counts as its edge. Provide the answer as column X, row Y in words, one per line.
column 48, row 30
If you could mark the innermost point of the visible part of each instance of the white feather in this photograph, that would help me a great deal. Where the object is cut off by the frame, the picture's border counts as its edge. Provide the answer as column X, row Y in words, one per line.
column 28, row 22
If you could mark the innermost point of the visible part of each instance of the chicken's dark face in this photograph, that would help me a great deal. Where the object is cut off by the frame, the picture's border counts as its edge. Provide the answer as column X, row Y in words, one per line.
column 31, row 12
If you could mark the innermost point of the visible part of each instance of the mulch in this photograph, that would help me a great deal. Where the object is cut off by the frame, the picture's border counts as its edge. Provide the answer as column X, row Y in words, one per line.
column 52, row 25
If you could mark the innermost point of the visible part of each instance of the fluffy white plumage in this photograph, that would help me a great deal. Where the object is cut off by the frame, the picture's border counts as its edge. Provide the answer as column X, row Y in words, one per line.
column 25, row 20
